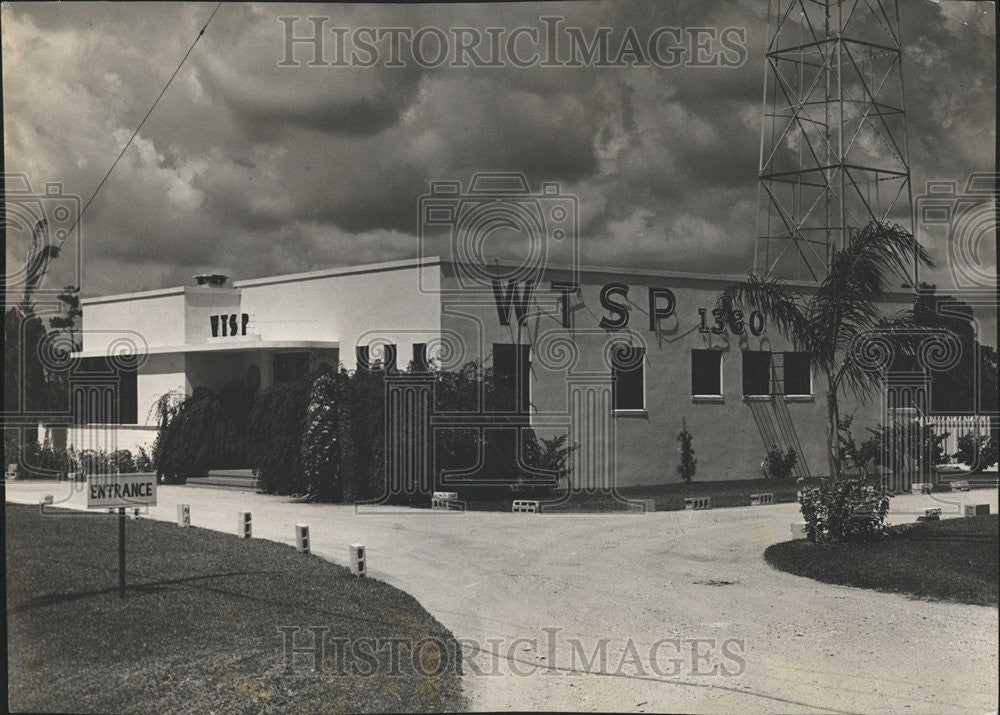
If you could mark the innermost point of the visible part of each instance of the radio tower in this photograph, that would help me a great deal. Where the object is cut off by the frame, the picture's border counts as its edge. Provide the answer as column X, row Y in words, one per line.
column 833, row 154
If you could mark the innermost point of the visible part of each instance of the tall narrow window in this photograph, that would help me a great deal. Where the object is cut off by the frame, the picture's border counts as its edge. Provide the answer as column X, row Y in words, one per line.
column 756, row 373
column 797, row 374
column 706, row 373
column 420, row 357
column 628, row 388
column 362, row 358
column 389, row 357
column 512, row 372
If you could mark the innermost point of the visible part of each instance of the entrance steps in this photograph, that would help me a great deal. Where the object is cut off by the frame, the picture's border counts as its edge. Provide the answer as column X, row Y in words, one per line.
column 241, row 480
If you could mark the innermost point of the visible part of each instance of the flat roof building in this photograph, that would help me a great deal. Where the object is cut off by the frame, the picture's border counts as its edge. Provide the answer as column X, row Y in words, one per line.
column 614, row 358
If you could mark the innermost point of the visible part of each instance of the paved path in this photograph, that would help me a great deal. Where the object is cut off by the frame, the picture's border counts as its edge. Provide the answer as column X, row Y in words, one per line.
column 636, row 579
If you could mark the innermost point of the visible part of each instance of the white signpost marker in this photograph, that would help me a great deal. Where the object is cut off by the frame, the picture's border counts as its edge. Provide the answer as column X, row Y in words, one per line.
column 120, row 491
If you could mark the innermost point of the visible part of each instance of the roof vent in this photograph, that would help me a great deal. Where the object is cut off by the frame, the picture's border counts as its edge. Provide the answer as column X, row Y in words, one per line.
column 215, row 280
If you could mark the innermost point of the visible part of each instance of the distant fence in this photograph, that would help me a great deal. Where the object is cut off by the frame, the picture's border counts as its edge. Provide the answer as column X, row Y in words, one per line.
column 955, row 426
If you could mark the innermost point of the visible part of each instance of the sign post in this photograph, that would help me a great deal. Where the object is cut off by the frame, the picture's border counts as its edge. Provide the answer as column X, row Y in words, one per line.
column 121, row 552
column 121, row 490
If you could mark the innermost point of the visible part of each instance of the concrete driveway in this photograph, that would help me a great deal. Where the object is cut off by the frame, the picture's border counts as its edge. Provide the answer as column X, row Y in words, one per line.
column 687, row 613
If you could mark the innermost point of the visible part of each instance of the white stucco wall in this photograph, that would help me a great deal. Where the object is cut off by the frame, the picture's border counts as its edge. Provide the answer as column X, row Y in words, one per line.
column 395, row 302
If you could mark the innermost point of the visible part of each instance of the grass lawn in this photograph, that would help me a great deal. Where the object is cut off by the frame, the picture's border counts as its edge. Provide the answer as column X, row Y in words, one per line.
column 198, row 629
column 950, row 560
column 668, row 497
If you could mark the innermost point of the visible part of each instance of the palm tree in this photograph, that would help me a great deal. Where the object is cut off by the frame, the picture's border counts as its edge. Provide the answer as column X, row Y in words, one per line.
column 845, row 306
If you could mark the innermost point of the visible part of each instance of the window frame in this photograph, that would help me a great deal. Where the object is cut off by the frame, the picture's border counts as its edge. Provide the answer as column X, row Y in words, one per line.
column 614, row 382
column 769, row 391
column 784, row 375
column 709, row 397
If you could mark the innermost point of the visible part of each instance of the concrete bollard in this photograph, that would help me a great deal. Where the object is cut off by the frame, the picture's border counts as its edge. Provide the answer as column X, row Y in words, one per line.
column 977, row 509
column 183, row 515
column 524, row 506
column 359, row 564
column 302, row 538
column 243, row 525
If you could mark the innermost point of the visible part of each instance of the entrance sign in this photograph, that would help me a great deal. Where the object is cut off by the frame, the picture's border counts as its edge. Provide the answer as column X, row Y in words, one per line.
column 120, row 490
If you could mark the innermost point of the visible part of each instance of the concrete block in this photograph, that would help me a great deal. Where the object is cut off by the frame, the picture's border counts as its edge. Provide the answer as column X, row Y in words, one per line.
column 759, row 499
column 525, row 506
column 930, row 515
column 443, row 500
column 698, row 502
column 359, row 562
column 642, row 506
column 244, row 525
column 183, row 515
column 977, row 509
column 302, row 538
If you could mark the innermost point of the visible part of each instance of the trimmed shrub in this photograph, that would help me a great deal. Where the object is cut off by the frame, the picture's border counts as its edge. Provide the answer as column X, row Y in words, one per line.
column 977, row 451
column 844, row 509
column 688, row 463
column 779, row 464
column 201, row 434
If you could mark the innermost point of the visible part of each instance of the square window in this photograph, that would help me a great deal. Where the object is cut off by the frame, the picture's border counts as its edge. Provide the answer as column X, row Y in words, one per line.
column 628, row 387
column 797, row 374
column 756, row 372
column 706, row 373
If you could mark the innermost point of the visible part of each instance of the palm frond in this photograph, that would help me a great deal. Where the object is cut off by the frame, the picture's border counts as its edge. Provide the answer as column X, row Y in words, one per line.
column 776, row 301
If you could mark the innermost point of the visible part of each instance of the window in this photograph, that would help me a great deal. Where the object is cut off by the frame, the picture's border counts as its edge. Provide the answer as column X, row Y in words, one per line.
column 706, row 373
column 420, row 357
column 363, row 359
column 628, row 389
column 756, row 373
column 389, row 357
column 512, row 371
column 289, row 367
column 797, row 374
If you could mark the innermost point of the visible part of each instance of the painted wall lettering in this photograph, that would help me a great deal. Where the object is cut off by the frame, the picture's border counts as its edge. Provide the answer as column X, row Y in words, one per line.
column 565, row 290
column 520, row 301
column 614, row 299
column 662, row 303
column 619, row 309
column 229, row 324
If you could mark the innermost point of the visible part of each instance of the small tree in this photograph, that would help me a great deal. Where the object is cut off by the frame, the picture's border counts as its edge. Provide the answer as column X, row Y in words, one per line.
column 977, row 451
column 688, row 462
column 845, row 306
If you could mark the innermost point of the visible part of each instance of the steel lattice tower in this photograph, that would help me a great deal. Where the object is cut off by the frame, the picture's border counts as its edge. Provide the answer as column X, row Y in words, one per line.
column 833, row 153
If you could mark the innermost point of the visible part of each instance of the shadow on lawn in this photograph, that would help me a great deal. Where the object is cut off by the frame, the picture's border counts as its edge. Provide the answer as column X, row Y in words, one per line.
column 151, row 587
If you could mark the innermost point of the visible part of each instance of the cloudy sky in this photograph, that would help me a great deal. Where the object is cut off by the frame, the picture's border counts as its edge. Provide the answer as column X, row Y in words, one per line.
column 255, row 169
